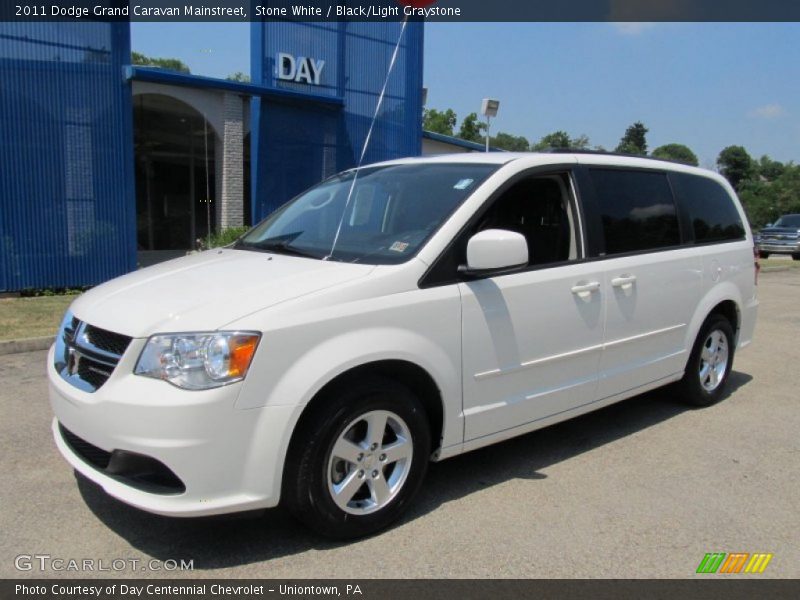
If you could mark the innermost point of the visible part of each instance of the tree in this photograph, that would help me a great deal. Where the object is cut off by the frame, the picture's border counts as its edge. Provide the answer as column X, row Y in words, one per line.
column 735, row 164
column 635, row 140
column 765, row 201
column 557, row 139
column 239, row 76
column 757, row 203
column 513, row 143
column 171, row 64
column 561, row 140
column 770, row 169
column 676, row 152
column 581, row 142
column 439, row 121
column 471, row 129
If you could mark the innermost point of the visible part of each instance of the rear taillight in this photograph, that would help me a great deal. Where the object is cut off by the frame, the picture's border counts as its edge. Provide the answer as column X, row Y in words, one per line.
column 755, row 260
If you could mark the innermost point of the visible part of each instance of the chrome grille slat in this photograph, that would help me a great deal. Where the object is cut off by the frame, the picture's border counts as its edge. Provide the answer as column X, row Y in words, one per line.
column 98, row 354
column 86, row 356
column 105, row 360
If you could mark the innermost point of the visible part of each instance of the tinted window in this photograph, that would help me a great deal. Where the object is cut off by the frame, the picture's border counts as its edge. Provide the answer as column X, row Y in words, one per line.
column 788, row 221
column 638, row 210
column 711, row 210
column 537, row 209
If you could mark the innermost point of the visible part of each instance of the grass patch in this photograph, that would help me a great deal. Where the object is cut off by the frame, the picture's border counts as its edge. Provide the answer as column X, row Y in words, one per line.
column 779, row 262
column 32, row 317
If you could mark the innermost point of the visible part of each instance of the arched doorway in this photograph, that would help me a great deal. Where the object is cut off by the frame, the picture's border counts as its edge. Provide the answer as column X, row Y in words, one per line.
column 174, row 152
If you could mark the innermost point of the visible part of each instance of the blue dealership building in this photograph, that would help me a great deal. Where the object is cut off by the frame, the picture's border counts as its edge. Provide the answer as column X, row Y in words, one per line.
column 103, row 163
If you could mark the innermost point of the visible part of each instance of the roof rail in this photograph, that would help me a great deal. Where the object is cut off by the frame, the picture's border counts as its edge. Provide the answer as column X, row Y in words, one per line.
column 552, row 150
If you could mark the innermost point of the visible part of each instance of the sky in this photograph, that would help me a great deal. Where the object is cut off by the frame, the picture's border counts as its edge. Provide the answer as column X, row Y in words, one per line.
column 706, row 85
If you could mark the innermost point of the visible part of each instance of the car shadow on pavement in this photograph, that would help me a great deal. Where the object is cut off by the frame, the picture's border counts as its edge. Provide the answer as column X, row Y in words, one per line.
column 227, row 541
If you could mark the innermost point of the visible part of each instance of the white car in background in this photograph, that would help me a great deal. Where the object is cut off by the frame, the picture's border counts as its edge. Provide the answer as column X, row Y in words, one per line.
column 404, row 312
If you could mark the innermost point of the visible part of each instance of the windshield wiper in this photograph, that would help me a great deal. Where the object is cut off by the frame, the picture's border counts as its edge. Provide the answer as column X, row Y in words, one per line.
column 278, row 246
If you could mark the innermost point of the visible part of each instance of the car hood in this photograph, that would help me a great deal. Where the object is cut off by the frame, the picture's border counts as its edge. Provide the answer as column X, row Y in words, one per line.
column 780, row 230
column 205, row 291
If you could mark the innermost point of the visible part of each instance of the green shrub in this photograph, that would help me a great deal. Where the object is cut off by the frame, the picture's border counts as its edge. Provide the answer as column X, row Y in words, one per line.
column 47, row 292
column 224, row 237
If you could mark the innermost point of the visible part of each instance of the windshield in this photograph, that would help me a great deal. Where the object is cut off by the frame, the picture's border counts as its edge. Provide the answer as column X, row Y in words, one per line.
column 390, row 214
column 788, row 221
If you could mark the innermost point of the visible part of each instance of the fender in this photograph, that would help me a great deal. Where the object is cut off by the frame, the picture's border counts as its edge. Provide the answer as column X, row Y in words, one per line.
column 335, row 356
column 721, row 292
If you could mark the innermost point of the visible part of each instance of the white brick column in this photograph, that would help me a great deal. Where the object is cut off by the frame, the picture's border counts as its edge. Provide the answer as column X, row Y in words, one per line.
column 219, row 154
column 230, row 201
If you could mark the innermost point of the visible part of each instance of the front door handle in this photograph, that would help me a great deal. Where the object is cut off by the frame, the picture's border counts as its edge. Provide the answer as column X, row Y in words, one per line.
column 584, row 290
column 624, row 281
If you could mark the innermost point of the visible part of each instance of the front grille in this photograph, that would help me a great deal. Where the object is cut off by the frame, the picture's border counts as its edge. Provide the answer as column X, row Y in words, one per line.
column 92, row 372
column 71, row 328
column 780, row 236
column 115, row 343
column 86, row 355
column 136, row 470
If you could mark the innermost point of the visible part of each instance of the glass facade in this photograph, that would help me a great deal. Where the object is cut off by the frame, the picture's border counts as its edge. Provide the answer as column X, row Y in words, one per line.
column 67, row 214
column 83, row 190
column 300, row 143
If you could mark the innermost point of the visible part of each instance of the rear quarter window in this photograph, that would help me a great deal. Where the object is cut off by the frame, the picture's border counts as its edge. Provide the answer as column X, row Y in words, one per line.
column 637, row 208
column 710, row 209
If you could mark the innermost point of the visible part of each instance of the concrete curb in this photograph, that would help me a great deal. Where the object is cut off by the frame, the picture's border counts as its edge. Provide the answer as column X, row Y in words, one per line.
column 25, row 345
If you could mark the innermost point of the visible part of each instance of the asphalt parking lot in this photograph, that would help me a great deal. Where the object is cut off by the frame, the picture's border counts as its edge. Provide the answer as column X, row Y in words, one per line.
column 641, row 489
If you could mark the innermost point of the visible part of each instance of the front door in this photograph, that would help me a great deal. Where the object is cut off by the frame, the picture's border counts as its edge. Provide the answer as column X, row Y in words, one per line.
column 532, row 340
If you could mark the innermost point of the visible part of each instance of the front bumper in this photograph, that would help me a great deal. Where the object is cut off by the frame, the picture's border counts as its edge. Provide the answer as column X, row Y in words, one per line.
column 779, row 248
column 227, row 459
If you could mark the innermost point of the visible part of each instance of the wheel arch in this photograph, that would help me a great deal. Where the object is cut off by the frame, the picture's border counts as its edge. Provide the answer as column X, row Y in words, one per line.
column 730, row 310
column 724, row 300
column 419, row 381
column 411, row 375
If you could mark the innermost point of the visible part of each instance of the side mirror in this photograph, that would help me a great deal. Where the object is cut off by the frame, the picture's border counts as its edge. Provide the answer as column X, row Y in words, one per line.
column 495, row 252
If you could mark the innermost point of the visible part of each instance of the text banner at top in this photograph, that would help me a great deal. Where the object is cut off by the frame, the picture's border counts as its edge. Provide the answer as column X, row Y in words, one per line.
column 397, row 10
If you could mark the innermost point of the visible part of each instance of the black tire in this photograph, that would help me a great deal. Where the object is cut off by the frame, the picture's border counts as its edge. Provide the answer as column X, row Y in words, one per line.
column 763, row 254
column 795, row 256
column 692, row 389
column 308, row 472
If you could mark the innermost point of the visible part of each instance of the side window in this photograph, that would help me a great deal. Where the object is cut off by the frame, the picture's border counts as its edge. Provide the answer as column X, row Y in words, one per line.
column 637, row 209
column 539, row 209
column 710, row 208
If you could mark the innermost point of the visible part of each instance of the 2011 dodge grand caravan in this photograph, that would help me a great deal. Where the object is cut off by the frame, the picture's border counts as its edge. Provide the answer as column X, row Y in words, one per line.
column 400, row 313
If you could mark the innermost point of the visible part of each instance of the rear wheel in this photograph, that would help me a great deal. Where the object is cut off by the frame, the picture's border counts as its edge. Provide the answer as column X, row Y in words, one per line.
column 357, row 462
column 763, row 255
column 796, row 256
column 710, row 363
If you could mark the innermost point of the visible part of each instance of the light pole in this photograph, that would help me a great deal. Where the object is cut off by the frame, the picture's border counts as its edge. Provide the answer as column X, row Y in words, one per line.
column 489, row 109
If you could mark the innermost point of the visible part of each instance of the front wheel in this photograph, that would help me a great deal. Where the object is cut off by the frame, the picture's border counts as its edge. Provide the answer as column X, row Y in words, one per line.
column 710, row 363
column 796, row 256
column 358, row 460
column 763, row 255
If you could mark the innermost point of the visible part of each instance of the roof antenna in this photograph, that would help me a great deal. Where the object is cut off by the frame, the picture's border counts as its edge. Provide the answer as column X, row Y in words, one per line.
column 369, row 136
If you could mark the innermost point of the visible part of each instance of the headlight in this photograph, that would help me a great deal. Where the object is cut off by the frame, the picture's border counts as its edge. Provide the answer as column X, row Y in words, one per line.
column 198, row 361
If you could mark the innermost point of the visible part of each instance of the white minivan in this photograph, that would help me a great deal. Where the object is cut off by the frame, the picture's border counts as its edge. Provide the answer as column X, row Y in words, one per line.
column 396, row 314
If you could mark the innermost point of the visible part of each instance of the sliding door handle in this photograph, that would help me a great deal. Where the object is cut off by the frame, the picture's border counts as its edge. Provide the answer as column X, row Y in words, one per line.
column 584, row 290
column 624, row 281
